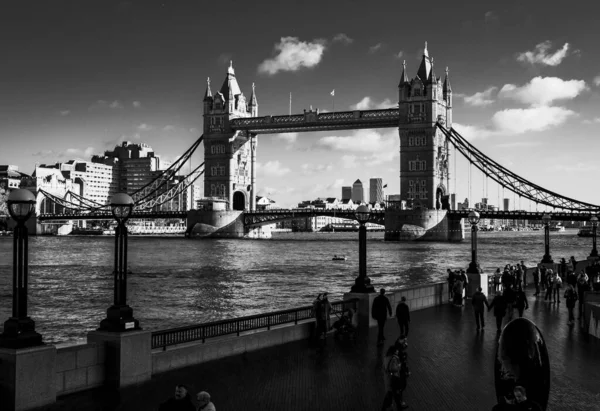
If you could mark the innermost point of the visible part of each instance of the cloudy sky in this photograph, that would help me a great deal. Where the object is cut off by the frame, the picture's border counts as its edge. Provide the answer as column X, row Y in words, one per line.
column 79, row 77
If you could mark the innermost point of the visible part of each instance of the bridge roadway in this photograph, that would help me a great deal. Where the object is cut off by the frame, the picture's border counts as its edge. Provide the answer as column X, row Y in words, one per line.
column 252, row 218
column 451, row 365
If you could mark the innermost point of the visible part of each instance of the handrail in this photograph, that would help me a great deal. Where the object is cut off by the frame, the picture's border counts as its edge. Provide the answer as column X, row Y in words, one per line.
column 172, row 336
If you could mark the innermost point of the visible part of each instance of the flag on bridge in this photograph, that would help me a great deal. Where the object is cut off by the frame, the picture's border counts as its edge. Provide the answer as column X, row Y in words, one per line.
column 333, row 92
column 385, row 186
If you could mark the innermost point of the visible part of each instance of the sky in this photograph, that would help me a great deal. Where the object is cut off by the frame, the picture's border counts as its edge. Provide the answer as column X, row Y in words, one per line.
column 79, row 77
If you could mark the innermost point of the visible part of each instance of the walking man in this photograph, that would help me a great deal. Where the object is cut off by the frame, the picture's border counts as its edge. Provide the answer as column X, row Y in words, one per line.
column 479, row 300
column 403, row 316
column 499, row 305
column 379, row 311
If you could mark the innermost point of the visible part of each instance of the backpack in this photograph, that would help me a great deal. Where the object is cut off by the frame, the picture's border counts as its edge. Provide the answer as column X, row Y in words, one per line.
column 571, row 295
column 393, row 366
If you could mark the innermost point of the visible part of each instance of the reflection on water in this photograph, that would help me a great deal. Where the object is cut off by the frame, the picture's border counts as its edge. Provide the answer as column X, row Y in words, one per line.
column 176, row 281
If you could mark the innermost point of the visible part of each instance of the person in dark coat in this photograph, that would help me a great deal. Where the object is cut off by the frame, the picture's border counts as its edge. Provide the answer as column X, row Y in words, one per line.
column 499, row 306
column 379, row 311
column 510, row 297
column 536, row 280
column 181, row 401
column 403, row 316
column 479, row 300
column 521, row 301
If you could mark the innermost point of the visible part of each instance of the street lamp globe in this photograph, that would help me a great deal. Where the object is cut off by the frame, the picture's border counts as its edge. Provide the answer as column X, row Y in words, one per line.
column 21, row 203
column 546, row 218
column 121, row 205
column 594, row 221
column 362, row 214
column 473, row 217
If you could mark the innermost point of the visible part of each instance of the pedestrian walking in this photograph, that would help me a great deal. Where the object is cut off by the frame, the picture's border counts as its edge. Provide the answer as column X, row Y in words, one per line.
column 397, row 373
column 465, row 283
column 181, row 401
column 524, row 268
column 556, row 286
column 536, row 280
column 458, row 291
column 510, row 297
column 521, row 301
column 582, row 286
column 549, row 285
column 479, row 300
column 403, row 316
column 571, row 297
column 499, row 306
column 450, row 280
column 379, row 311
column 204, row 403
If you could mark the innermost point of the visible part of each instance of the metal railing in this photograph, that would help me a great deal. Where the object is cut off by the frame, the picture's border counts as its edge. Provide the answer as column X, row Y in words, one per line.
column 180, row 335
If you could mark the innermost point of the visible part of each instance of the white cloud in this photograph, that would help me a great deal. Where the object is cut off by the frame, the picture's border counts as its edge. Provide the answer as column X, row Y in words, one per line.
column 293, row 55
column 541, row 55
column 272, row 169
column 107, row 104
column 115, row 104
column 308, row 169
column 490, row 16
column 571, row 168
column 136, row 104
column 595, row 120
column 342, row 38
column 288, row 137
column 144, row 127
column 349, row 161
column 368, row 104
column 362, row 141
column 471, row 132
column 517, row 121
column 64, row 112
column 375, row 48
column 78, row 152
column 480, row 99
column 399, row 54
column 169, row 127
column 543, row 90
column 597, row 80
column 517, row 144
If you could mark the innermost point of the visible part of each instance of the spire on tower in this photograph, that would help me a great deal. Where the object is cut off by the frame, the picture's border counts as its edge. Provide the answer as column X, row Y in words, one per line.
column 253, row 106
column 403, row 77
column 447, row 87
column 208, row 94
column 230, row 69
column 425, row 66
column 432, row 77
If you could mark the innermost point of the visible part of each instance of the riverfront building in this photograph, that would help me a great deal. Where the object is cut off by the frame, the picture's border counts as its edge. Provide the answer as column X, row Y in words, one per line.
column 347, row 193
column 375, row 190
column 10, row 178
column 358, row 193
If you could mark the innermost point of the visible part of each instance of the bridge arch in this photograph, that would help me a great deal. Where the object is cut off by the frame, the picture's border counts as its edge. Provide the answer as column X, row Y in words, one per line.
column 239, row 200
column 441, row 198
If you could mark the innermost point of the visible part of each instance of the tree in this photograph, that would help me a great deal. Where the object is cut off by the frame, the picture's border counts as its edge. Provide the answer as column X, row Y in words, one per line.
column 3, row 199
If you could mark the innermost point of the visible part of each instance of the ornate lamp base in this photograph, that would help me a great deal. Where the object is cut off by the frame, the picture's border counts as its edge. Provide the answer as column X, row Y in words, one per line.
column 20, row 333
column 362, row 285
column 119, row 319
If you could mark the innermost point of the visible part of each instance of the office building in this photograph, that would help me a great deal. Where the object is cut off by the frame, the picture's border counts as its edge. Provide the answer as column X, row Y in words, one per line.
column 375, row 190
column 346, row 193
column 358, row 194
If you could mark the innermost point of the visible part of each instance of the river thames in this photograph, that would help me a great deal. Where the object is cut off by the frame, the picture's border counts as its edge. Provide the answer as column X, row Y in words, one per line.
column 177, row 281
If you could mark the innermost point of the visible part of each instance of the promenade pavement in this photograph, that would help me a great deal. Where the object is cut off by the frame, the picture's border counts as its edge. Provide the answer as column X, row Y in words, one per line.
column 451, row 365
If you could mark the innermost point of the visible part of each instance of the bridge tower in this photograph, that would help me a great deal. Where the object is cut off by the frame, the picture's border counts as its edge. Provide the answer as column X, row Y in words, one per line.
column 424, row 158
column 229, row 156
column 424, row 151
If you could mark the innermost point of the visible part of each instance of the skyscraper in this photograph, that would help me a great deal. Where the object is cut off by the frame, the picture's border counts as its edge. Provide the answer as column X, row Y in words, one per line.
column 346, row 193
column 358, row 194
column 506, row 204
column 376, row 190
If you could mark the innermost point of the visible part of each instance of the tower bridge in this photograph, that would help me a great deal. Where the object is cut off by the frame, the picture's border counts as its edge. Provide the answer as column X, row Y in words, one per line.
column 424, row 118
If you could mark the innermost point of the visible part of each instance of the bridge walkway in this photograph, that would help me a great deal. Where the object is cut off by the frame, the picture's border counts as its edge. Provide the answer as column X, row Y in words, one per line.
column 451, row 364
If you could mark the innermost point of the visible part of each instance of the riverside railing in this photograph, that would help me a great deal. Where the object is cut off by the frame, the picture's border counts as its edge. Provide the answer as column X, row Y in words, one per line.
column 180, row 335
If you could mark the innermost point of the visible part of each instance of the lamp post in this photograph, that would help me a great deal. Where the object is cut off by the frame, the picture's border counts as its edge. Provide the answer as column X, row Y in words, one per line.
column 474, row 265
column 594, row 221
column 362, row 284
column 19, row 329
column 547, row 258
column 119, row 316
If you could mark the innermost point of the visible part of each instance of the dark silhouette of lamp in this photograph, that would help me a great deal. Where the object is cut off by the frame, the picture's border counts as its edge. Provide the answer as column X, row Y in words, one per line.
column 362, row 284
column 119, row 316
column 594, row 222
column 474, row 220
column 19, row 329
column 547, row 258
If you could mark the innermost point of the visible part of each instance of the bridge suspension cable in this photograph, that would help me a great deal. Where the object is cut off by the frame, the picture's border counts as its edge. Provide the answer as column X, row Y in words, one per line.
column 173, row 192
column 512, row 181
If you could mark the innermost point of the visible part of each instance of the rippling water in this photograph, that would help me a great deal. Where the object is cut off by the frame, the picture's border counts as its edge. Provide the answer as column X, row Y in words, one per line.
column 178, row 281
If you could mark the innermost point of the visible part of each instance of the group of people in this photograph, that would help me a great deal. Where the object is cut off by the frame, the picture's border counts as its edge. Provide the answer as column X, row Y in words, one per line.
column 512, row 274
column 457, row 284
column 397, row 372
column 182, row 401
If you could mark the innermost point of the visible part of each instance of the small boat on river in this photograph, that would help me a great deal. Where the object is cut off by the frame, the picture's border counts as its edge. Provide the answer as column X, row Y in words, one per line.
column 339, row 258
column 586, row 232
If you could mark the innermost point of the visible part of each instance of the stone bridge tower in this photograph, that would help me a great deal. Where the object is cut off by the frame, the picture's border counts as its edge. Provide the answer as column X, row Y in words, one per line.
column 229, row 155
column 424, row 151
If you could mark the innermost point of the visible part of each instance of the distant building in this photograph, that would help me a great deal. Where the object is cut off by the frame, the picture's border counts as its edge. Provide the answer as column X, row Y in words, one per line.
column 264, row 203
column 346, row 193
column 506, row 204
column 358, row 194
column 10, row 178
column 97, row 182
column 375, row 190
column 53, row 181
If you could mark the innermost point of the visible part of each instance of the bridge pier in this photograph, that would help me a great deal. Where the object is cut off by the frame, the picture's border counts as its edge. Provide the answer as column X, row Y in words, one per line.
column 423, row 225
